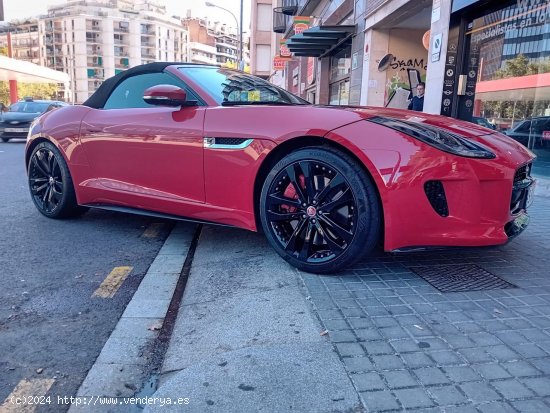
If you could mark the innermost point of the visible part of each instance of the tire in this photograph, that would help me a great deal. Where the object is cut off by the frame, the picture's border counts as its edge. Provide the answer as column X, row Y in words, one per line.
column 292, row 216
column 5, row 140
column 50, row 183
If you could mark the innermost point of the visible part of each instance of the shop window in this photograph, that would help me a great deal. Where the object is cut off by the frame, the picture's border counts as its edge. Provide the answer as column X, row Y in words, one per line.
column 507, row 63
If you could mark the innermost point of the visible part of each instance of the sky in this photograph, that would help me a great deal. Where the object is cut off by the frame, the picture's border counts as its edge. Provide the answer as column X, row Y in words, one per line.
column 13, row 9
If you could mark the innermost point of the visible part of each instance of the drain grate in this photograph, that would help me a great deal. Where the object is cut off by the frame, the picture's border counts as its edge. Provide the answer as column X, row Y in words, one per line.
column 460, row 277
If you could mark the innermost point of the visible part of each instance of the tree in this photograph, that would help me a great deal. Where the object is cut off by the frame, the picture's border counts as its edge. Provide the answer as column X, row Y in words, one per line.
column 34, row 90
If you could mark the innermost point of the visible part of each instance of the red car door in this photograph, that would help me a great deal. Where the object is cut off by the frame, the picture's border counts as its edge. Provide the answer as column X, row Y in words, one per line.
column 136, row 148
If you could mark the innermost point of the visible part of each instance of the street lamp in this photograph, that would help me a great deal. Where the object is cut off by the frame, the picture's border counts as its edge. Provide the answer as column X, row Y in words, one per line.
column 239, row 29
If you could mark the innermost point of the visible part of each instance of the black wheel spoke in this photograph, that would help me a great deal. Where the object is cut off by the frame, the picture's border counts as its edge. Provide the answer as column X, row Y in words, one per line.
column 45, row 162
column 55, row 165
column 342, row 200
column 39, row 167
column 333, row 245
column 284, row 216
column 335, row 228
column 56, row 194
column 291, row 172
column 40, row 188
column 309, row 183
column 291, row 243
column 304, row 251
column 276, row 200
column 335, row 183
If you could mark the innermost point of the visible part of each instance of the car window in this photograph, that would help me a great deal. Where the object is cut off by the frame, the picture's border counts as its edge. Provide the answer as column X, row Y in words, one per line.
column 29, row 107
column 129, row 93
column 523, row 127
column 229, row 86
column 541, row 125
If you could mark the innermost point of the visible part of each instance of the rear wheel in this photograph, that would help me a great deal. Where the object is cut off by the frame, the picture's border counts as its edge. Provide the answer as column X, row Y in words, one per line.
column 50, row 183
column 320, row 210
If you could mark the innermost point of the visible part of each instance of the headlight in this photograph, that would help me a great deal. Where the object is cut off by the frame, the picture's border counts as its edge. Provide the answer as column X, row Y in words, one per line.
column 438, row 138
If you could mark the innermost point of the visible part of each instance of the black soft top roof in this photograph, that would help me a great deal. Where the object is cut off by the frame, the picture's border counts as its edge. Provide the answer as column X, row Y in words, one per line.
column 98, row 99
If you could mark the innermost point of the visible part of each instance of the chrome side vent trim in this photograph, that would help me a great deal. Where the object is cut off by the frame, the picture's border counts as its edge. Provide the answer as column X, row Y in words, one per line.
column 226, row 143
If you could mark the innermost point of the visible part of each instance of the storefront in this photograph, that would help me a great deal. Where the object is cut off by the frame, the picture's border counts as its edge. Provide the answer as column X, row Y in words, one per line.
column 498, row 70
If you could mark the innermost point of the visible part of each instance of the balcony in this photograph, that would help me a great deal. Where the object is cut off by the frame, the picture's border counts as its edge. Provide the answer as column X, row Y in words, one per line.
column 148, row 55
column 289, row 7
column 280, row 20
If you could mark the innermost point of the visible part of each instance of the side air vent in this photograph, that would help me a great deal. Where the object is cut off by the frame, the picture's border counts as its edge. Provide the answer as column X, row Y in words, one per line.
column 226, row 143
column 436, row 195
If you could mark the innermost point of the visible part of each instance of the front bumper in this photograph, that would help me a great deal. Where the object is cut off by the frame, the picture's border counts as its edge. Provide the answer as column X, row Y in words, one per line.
column 12, row 132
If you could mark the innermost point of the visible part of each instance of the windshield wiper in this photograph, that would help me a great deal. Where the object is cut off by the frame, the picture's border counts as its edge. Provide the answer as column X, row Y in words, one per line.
column 261, row 102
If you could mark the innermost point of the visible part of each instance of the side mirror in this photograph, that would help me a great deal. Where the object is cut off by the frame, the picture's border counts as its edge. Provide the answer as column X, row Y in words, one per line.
column 166, row 95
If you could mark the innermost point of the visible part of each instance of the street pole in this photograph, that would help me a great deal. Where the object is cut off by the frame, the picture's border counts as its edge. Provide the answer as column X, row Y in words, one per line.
column 241, row 61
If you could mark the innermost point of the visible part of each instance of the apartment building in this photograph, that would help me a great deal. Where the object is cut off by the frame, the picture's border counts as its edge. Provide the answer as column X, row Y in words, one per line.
column 24, row 39
column 92, row 40
column 263, row 37
column 213, row 42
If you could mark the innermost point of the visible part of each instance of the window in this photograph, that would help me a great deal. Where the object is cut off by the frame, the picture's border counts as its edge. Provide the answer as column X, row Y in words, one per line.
column 129, row 93
column 265, row 17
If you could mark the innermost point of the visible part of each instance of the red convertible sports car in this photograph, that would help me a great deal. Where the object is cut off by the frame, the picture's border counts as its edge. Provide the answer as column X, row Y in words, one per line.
column 324, row 183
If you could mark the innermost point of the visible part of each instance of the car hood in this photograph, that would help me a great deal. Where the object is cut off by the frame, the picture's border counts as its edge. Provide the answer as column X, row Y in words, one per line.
column 20, row 117
column 499, row 143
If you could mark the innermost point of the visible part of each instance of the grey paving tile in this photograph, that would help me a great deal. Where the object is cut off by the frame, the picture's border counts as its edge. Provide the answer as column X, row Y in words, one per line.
column 357, row 364
column 399, row 379
column 491, row 371
column 417, row 360
column 540, row 385
column 447, row 395
column 460, row 374
column 479, row 392
column 496, row 407
column 521, row 368
column 531, row 406
column 413, row 398
column 379, row 401
column 512, row 389
column 350, row 349
column 368, row 381
column 431, row 375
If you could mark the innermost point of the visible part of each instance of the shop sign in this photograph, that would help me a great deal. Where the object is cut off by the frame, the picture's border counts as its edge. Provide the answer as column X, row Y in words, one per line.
column 449, row 81
column 301, row 24
column 546, row 135
column 284, row 51
column 311, row 70
column 279, row 63
column 436, row 11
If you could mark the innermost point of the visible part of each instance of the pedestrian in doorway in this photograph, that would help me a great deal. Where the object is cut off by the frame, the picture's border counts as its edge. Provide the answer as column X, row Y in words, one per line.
column 417, row 102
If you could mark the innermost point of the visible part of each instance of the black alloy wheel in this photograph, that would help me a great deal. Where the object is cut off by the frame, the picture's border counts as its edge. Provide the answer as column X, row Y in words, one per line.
column 50, row 183
column 320, row 210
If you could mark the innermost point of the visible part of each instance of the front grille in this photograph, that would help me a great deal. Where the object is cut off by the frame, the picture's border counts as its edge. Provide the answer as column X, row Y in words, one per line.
column 522, row 172
column 436, row 195
column 518, row 190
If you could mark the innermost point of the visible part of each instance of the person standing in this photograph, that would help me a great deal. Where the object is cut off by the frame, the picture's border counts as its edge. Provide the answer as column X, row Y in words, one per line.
column 417, row 102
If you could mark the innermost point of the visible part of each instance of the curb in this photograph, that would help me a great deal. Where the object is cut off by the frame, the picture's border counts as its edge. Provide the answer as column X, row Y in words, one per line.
column 122, row 367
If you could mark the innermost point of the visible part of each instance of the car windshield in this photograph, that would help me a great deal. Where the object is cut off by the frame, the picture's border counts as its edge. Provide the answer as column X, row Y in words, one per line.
column 229, row 87
column 29, row 107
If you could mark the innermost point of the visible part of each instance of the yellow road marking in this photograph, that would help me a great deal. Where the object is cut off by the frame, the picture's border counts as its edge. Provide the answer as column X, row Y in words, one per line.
column 35, row 389
column 153, row 230
column 112, row 283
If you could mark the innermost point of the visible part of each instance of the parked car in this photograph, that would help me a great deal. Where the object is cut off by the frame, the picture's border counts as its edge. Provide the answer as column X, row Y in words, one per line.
column 483, row 122
column 537, row 129
column 15, row 122
column 325, row 184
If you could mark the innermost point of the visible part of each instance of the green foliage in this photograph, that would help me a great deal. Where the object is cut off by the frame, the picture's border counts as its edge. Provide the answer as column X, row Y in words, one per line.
column 520, row 66
column 35, row 90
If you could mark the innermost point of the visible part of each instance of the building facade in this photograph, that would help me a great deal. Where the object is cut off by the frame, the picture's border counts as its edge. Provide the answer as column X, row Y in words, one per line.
column 92, row 40
column 213, row 43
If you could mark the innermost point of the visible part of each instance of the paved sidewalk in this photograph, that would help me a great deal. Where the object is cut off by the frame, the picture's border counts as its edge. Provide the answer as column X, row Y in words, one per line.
column 247, row 338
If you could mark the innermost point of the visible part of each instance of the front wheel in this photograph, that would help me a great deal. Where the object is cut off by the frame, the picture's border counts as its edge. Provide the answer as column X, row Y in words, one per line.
column 320, row 210
column 50, row 183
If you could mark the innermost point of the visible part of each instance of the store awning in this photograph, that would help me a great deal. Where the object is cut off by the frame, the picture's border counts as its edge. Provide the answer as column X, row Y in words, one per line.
column 521, row 88
column 321, row 41
column 27, row 72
